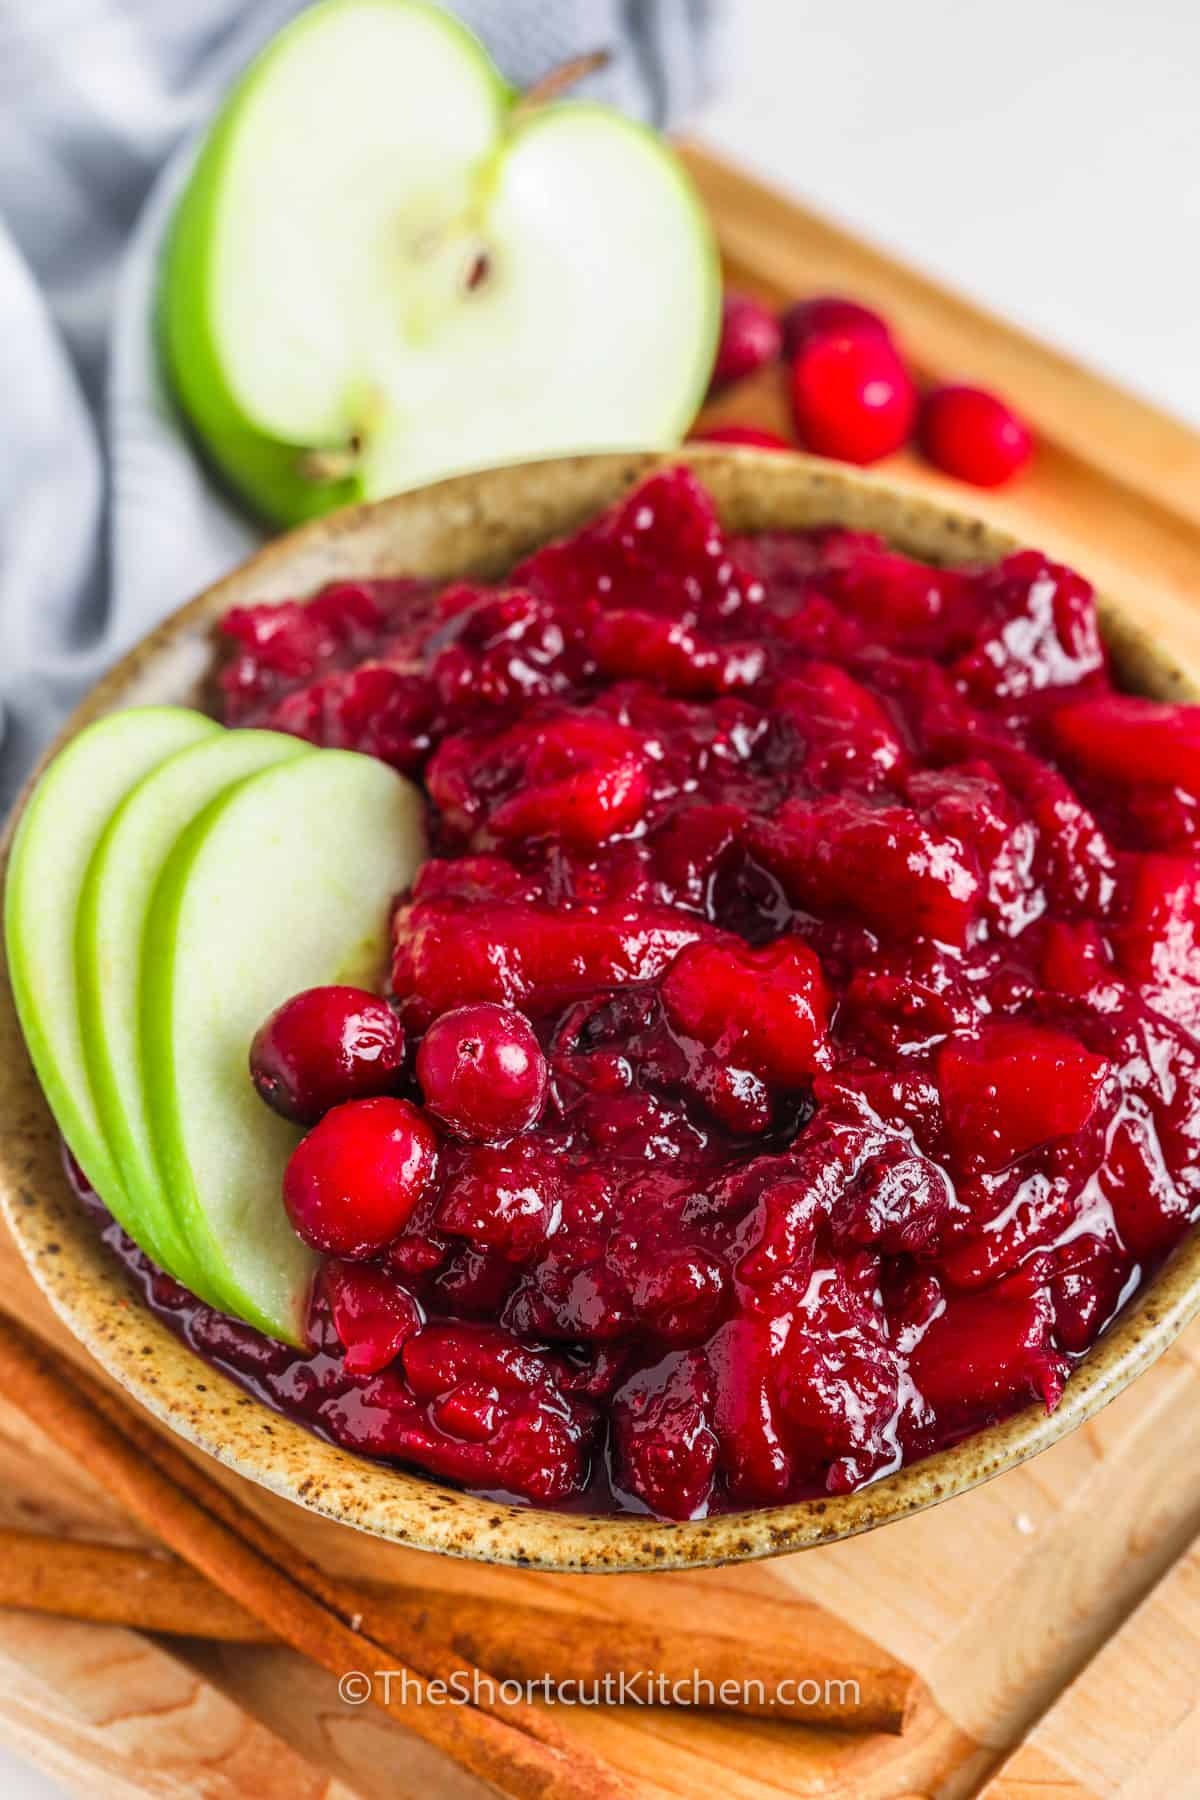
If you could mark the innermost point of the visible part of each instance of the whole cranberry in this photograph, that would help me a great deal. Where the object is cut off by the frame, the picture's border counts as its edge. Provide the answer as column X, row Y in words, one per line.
column 351, row 1185
column 828, row 315
column 482, row 1072
column 749, row 436
column 853, row 397
column 323, row 1047
column 749, row 338
column 972, row 434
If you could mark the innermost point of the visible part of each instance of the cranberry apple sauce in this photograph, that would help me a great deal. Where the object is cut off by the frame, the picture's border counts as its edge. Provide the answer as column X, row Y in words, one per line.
column 790, row 1059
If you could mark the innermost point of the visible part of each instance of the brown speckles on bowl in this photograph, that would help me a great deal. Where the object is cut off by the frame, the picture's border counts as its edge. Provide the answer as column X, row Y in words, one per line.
column 480, row 524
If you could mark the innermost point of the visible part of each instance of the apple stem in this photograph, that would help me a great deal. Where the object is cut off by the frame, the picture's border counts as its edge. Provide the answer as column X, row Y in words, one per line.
column 557, row 81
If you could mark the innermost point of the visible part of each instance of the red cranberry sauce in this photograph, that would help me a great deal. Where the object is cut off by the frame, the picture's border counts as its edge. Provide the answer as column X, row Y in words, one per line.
column 856, row 917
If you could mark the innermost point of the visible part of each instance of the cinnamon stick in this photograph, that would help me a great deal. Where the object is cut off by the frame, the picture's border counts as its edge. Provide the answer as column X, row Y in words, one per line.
column 512, row 1640
column 892, row 1688
column 519, row 1750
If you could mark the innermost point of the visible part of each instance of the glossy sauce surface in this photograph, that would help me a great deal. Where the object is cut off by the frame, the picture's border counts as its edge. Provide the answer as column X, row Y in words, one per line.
column 855, row 913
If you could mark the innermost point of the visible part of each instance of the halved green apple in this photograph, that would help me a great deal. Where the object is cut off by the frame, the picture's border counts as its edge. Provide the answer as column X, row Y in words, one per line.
column 113, row 906
column 282, row 882
column 387, row 268
column 58, row 832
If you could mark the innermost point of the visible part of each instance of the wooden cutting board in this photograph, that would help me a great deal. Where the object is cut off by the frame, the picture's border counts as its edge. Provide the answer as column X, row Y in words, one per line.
column 1054, row 1614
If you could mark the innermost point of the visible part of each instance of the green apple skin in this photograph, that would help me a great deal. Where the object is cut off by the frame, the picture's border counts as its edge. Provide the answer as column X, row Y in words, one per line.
column 264, row 468
column 54, row 842
column 111, row 923
column 284, row 881
column 595, row 328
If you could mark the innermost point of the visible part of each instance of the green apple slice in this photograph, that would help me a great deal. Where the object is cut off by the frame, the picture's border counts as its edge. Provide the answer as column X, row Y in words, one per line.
column 113, row 907
column 385, row 269
column 283, row 882
column 53, row 846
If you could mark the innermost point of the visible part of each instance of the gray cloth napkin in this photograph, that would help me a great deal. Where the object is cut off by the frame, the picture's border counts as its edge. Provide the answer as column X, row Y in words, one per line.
column 107, row 520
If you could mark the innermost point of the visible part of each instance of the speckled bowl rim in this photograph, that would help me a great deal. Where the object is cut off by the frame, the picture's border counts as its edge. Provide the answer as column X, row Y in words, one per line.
column 480, row 524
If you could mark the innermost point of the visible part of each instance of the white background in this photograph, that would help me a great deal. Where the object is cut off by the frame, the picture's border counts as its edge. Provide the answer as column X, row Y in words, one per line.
column 1042, row 155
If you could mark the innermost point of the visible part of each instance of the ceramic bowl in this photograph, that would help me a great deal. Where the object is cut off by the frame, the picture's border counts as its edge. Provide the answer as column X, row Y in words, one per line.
column 480, row 524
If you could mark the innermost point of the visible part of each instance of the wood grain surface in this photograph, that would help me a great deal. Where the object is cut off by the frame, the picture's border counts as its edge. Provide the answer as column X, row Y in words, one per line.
column 1054, row 1614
